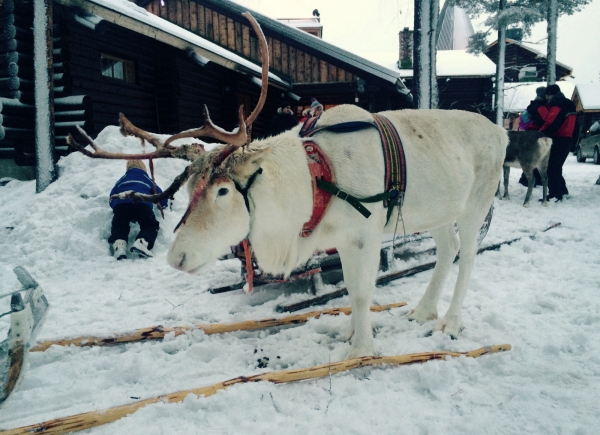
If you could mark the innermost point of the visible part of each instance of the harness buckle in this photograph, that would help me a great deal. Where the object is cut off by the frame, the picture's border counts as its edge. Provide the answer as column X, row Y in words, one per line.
column 337, row 195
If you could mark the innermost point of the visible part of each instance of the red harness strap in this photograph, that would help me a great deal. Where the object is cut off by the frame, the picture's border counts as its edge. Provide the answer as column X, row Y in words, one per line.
column 320, row 168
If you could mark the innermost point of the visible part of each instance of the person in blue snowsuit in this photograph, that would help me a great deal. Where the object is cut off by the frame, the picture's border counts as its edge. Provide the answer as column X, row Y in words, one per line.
column 126, row 211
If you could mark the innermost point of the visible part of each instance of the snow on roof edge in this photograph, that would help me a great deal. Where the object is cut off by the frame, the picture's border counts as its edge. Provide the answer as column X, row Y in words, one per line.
column 156, row 24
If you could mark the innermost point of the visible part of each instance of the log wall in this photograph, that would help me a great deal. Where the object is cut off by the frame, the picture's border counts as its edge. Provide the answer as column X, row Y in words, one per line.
column 236, row 35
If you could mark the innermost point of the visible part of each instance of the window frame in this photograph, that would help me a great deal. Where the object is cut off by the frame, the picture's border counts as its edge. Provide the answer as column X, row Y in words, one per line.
column 129, row 69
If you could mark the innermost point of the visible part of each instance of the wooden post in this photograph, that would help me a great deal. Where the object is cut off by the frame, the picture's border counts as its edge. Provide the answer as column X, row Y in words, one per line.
column 158, row 332
column 44, row 94
column 88, row 420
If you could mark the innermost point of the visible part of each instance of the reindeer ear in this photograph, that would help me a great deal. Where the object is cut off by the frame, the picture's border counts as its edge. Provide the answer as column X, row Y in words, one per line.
column 248, row 162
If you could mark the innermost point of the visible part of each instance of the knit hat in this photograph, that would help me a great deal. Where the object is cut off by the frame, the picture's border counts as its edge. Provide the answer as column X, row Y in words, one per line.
column 541, row 91
column 553, row 90
column 314, row 103
column 136, row 164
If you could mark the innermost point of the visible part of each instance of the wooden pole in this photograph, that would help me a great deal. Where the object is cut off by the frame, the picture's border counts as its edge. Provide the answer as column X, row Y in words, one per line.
column 89, row 420
column 158, row 332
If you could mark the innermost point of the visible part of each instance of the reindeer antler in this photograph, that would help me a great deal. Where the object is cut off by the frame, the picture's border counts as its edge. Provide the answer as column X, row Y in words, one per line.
column 235, row 139
column 186, row 152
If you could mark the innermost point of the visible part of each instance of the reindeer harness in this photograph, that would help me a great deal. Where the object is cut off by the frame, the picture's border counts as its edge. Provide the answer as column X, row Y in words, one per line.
column 323, row 178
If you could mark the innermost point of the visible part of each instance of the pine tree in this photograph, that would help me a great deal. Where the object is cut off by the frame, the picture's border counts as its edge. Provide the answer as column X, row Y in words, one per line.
column 503, row 14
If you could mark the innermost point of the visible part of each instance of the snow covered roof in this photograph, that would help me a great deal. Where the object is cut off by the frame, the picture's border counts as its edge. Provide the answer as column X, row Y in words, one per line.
column 530, row 47
column 130, row 16
column 318, row 45
column 517, row 96
column 301, row 23
column 458, row 63
column 589, row 95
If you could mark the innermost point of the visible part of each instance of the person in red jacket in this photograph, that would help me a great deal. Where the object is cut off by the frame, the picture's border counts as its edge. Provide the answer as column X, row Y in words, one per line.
column 559, row 124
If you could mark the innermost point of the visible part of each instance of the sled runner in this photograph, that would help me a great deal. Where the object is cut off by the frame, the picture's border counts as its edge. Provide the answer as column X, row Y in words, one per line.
column 26, row 314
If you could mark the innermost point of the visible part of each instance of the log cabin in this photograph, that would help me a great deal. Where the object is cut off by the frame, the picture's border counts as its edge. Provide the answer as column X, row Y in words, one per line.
column 159, row 62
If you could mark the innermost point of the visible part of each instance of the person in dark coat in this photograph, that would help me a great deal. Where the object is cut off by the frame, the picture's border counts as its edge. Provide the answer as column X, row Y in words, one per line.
column 126, row 211
column 283, row 121
column 559, row 125
column 537, row 109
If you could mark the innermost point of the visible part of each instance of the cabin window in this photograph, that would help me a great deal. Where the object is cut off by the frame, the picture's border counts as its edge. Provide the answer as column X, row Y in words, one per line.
column 118, row 68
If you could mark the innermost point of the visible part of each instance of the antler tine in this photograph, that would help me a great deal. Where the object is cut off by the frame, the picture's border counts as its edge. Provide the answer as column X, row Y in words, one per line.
column 99, row 153
column 128, row 129
column 264, row 49
column 237, row 138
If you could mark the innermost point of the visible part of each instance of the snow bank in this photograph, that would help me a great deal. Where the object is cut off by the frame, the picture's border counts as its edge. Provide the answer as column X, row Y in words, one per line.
column 541, row 296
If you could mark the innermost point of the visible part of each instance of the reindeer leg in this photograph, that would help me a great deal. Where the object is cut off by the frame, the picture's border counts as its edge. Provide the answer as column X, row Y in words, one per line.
column 544, row 176
column 360, row 262
column 447, row 246
column 468, row 230
column 506, row 177
column 530, row 183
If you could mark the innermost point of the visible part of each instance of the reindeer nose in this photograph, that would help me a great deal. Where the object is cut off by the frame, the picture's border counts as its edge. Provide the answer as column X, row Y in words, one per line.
column 181, row 263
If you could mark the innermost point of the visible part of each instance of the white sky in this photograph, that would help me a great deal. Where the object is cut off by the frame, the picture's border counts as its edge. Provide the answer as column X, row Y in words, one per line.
column 372, row 30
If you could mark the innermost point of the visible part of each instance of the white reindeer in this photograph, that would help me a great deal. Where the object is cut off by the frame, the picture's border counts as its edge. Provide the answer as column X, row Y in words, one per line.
column 453, row 161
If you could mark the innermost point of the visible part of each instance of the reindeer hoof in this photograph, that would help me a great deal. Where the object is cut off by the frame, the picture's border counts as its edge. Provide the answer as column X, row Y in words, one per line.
column 526, row 205
column 451, row 327
column 359, row 352
column 421, row 316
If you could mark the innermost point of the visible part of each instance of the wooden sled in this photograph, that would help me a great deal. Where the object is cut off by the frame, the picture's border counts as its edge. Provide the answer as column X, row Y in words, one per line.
column 26, row 314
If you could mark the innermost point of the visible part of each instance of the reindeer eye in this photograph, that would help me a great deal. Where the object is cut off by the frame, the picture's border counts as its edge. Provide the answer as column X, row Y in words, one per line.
column 222, row 191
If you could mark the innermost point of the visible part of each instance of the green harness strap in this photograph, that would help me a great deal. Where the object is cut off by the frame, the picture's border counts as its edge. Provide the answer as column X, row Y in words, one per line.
column 356, row 202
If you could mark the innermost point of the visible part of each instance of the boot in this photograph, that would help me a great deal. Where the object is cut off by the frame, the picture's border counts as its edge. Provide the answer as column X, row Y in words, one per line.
column 120, row 249
column 140, row 247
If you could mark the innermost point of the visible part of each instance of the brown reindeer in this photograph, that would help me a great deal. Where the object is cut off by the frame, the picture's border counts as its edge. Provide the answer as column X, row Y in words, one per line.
column 527, row 150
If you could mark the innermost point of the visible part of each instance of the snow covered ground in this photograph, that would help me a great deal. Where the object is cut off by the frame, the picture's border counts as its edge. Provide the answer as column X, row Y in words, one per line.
column 542, row 296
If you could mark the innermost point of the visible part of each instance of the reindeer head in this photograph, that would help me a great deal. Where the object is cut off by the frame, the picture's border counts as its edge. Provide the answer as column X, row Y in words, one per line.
column 217, row 214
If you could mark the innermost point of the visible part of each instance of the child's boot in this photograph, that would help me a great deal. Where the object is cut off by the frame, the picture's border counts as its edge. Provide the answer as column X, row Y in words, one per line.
column 120, row 249
column 140, row 247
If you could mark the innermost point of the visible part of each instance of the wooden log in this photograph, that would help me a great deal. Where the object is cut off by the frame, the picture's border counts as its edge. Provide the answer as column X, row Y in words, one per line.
column 201, row 20
column 230, row 34
column 97, row 418
column 320, row 300
column 193, row 16
column 158, row 332
column 185, row 14
column 10, row 83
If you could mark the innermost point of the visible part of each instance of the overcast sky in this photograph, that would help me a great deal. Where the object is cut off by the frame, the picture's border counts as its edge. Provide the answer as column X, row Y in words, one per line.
column 370, row 29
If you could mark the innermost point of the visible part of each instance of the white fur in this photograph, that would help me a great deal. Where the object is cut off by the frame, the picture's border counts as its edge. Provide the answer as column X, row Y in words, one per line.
column 453, row 159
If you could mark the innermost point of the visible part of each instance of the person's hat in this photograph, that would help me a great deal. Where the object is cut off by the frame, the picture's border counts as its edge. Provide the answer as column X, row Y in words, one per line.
column 541, row 91
column 136, row 164
column 553, row 90
column 285, row 103
column 314, row 103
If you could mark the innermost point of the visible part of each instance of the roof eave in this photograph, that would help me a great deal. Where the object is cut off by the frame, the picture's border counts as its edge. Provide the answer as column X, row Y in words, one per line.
column 147, row 29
